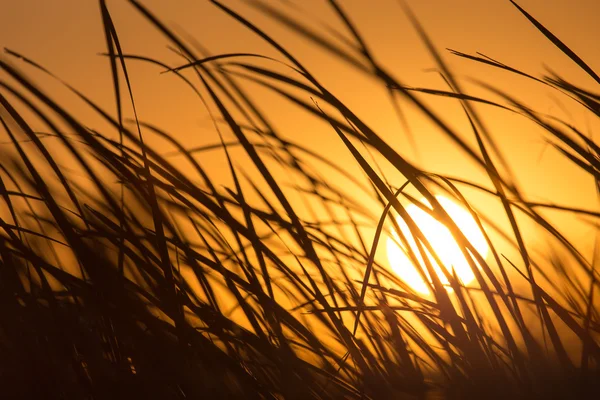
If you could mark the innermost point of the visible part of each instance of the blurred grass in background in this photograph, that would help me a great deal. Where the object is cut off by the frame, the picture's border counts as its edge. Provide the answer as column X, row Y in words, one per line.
column 128, row 270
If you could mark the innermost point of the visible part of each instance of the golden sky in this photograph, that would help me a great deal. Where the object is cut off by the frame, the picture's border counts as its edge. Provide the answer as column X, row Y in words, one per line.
column 66, row 37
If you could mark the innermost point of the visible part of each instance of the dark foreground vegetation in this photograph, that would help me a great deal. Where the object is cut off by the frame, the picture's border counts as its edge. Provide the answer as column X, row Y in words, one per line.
column 128, row 276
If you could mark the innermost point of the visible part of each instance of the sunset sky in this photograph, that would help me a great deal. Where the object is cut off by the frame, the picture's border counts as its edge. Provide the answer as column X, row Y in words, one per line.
column 66, row 37
column 358, row 199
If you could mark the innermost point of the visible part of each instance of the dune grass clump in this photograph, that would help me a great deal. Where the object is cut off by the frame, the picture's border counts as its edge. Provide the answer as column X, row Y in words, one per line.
column 129, row 275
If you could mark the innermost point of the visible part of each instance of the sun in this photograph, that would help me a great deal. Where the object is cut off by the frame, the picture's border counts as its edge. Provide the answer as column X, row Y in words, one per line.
column 441, row 240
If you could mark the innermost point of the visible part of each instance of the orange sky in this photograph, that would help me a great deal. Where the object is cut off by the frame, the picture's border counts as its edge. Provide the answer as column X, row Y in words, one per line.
column 66, row 35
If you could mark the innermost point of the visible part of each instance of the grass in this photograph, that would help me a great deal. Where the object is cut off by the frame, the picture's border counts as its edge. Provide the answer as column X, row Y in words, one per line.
column 137, row 277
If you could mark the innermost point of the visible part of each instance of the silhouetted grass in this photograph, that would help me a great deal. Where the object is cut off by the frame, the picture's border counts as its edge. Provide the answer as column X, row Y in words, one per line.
column 139, row 278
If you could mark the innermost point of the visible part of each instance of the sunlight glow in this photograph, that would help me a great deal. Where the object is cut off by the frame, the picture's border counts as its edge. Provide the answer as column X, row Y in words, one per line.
column 441, row 240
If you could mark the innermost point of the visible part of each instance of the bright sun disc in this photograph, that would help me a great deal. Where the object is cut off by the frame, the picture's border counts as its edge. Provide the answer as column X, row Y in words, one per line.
column 441, row 240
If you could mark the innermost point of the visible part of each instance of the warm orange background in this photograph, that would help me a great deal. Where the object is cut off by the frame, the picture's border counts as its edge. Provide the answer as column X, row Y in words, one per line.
column 66, row 36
